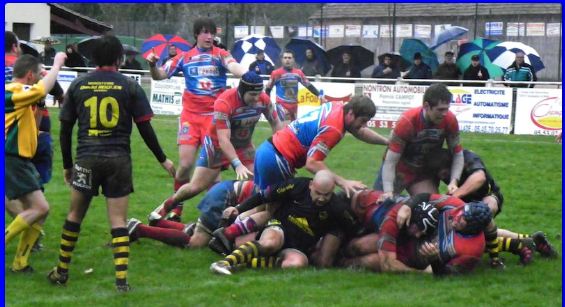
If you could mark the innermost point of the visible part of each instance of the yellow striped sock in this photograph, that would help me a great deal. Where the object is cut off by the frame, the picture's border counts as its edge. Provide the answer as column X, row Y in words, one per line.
column 16, row 227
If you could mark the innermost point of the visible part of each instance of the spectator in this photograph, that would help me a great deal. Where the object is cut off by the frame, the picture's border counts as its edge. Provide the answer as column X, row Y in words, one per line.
column 48, row 54
column 386, row 69
column 74, row 58
column 172, row 53
column 311, row 66
column 131, row 63
column 520, row 71
column 261, row 66
column 476, row 71
column 346, row 69
column 419, row 70
column 448, row 70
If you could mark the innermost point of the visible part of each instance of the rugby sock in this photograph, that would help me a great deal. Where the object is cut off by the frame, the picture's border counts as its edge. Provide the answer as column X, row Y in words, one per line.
column 168, row 236
column 240, row 227
column 120, row 249
column 491, row 241
column 510, row 245
column 169, row 224
column 16, row 227
column 523, row 235
column 178, row 184
column 177, row 210
column 265, row 262
column 27, row 239
column 168, row 206
column 69, row 239
column 244, row 253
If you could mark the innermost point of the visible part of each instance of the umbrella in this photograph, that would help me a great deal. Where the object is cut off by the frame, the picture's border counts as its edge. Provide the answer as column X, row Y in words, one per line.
column 360, row 56
column 412, row 45
column 46, row 39
column 504, row 55
column 128, row 49
column 299, row 46
column 245, row 49
column 160, row 43
column 397, row 60
column 86, row 46
column 28, row 48
column 448, row 34
column 480, row 47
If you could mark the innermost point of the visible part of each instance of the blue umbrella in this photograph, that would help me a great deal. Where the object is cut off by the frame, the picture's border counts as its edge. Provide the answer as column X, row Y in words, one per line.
column 159, row 43
column 480, row 47
column 245, row 49
column 504, row 55
column 448, row 34
column 299, row 46
column 412, row 45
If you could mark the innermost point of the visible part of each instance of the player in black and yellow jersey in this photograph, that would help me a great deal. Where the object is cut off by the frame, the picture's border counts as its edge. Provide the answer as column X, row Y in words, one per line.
column 308, row 211
column 104, row 103
column 20, row 145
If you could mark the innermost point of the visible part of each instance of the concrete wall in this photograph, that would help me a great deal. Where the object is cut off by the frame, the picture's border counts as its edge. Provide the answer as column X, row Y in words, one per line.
column 36, row 14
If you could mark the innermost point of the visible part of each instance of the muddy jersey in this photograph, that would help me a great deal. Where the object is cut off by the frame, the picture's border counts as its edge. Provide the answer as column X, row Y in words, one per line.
column 312, row 135
column 413, row 136
column 230, row 112
column 104, row 103
column 205, row 76
column 286, row 83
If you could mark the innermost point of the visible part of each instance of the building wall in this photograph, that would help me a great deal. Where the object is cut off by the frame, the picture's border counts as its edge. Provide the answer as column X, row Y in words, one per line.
column 38, row 15
column 549, row 48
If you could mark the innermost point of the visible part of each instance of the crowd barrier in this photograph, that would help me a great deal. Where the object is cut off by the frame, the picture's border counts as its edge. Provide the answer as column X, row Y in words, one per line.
column 494, row 108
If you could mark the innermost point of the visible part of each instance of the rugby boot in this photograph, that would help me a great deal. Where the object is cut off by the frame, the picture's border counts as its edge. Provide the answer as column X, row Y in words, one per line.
column 133, row 223
column 153, row 218
column 543, row 246
column 57, row 278
column 189, row 229
column 26, row 270
column 227, row 245
column 221, row 267
column 497, row 263
column 527, row 252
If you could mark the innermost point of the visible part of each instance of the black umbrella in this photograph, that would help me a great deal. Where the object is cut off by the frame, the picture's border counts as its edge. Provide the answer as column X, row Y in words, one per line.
column 130, row 50
column 28, row 48
column 86, row 46
column 396, row 59
column 360, row 56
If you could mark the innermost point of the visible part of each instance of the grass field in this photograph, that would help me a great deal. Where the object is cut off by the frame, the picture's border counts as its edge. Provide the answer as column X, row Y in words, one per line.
column 527, row 168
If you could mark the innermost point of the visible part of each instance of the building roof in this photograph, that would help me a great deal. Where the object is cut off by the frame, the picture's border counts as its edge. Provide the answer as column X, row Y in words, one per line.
column 366, row 10
column 67, row 21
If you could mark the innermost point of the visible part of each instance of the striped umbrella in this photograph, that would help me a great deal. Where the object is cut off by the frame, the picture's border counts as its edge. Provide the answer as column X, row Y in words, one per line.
column 504, row 55
column 161, row 42
column 245, row 49
column 480, row 47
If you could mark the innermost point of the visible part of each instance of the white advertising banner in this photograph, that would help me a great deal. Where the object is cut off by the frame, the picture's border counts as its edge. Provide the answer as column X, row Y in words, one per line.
column 482, row 109
column 352, row 30
column 65, row 78
column 391, row 101
column 516, row 29
column 403, row 30
column 166, row 96
column 332, row 92
column 385, row 31
column 277, row 31
column 553, row 29
column 135, row 77
column 240, row 31
column 422, row 31
column 538, row 111
column 371, row 31
column 535, row 29
column 336, row 31
column 259, row 30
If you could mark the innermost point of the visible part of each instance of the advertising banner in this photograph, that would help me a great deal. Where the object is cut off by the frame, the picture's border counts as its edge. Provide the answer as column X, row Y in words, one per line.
column 422, row 31
column 166, row 96
column 135, row 77
column 65, row 78
column 538, row 111
column 482, row 109
column 391, row 101
column 535, row 29
column 370, row 31
column 352, row 30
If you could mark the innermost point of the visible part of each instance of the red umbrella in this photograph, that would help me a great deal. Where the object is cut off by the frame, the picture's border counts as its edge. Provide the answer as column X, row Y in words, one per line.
column 161, row 42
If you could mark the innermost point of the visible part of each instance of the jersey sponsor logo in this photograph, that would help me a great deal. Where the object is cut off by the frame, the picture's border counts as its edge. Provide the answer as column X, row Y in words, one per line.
column 285, row 188
column 207, row 70
column 301, row 223
column 82, row 177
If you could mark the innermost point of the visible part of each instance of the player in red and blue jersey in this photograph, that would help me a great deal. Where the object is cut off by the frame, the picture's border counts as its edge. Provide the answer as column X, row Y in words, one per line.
column 419, row 131
column 204, row 68
column 286, row 80
column 308, row 140
column 228, row 140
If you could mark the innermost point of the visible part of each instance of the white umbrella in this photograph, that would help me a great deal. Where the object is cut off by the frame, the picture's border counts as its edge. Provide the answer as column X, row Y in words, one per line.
column 504, row 54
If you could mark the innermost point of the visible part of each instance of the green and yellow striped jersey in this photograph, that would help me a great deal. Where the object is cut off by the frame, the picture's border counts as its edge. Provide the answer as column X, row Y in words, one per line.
column 20, row 134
